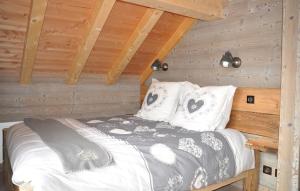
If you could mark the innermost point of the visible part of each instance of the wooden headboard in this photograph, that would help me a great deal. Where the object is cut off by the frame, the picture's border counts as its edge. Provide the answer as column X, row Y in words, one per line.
column 258, row 118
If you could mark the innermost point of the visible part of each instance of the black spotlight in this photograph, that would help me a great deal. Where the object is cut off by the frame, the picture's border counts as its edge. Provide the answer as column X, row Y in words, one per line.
column 157, row 65
column 228, row 60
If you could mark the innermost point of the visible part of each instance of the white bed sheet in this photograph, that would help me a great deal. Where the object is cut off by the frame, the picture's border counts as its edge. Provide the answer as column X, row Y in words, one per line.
column 35, row 163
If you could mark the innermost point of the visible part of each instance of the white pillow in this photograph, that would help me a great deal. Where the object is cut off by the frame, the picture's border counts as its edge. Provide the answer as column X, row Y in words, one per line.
column 225, row 115
column 205, row 109
column 161, row 101
column 187, row 87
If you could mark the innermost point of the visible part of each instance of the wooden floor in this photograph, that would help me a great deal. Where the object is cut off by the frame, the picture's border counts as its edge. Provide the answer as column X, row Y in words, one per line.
column 2, row 187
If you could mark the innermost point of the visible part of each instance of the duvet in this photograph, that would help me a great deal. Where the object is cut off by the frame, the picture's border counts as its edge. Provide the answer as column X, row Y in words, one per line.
column 147, row 155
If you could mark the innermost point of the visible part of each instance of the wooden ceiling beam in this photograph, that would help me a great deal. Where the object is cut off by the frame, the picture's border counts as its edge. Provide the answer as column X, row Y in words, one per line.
column 199, row 9
column 93, row 30
column 185, row 26
column 136, row 39
column 34, row 28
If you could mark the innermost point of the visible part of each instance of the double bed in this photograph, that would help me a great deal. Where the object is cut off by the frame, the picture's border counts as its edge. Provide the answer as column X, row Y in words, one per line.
column 146, row 155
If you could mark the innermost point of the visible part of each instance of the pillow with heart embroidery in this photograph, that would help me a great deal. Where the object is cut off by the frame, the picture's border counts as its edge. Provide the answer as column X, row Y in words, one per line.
column 197, row 104
column 161, row 101
column 155, row 97
column 205, row 109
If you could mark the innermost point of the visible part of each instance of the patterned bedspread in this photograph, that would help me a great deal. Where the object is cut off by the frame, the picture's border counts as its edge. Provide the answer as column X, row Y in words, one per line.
column 176, row 158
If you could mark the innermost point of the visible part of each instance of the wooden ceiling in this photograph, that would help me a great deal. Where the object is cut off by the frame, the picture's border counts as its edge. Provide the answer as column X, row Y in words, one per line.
column 94, row 36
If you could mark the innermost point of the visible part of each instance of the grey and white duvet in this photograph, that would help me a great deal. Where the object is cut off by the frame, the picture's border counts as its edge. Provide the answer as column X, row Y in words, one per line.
column 147, row 155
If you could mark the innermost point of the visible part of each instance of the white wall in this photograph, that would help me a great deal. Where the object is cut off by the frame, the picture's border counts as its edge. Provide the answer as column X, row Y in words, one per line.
column 2, row 126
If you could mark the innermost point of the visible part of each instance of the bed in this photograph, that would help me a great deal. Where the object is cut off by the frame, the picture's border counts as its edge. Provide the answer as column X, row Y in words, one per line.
column 245, row 117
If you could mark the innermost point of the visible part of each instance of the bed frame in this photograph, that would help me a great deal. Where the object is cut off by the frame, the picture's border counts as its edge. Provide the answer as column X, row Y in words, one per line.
column 255, row 111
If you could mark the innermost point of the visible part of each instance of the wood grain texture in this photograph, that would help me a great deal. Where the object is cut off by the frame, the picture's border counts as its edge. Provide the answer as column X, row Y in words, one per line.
column 114, row 37
column 266, row 125
column 49, row 97
column 64, row 41
column 250, row 30
column 263, row 144
column 288, row 130
column 296, row 142
column 265, row 100
column 184, row 27
column 138, row 36
column 198, row 9
column 13, row 24
column 224, row 183
column 36, row 20
column 63, row 31
column 252, row 177
column 94, row 27
column 160, row 34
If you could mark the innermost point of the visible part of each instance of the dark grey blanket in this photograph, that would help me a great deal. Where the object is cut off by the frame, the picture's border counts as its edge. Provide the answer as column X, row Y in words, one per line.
column 76, row 152
column 177, row 159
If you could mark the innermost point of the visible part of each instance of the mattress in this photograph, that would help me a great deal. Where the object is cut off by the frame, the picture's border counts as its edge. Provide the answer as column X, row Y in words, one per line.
column 34, row 162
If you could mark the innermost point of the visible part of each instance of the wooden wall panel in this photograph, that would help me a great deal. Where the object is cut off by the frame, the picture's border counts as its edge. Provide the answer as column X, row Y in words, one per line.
column 296, row 148
column 93, row 29
column 13, row 24
column 288, row 151
column 63, row 29
column 136, row 39
column 258, row 118
column 250, row 30
column 266, row 100
column 152, row 45
column 206, row 10
column 117, row 30
column 49, row 97
column 266, row 125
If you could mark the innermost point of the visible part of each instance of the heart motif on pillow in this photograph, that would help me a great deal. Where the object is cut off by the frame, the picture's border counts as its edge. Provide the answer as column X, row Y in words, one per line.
column 155, row 97
column 194, row 106
column 151, row 98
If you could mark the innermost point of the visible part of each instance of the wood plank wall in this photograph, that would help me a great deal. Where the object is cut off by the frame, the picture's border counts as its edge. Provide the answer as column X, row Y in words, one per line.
column 296, row 148
column 251, row 30
column 289, row 131
column 50, row 97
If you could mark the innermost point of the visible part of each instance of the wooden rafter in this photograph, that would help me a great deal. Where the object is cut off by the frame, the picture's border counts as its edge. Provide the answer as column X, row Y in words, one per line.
column 34, row 28
column 93, row 29
column 186, row 24
column 198, row 9
column 136, row 39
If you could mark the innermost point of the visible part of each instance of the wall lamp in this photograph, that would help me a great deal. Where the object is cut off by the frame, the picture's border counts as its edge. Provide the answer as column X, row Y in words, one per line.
column 157, row 65
column 228, row 60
